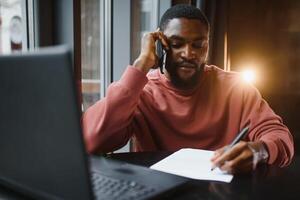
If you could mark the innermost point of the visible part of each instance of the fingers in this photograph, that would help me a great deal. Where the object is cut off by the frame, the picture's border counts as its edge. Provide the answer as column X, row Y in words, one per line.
column 218, row 152
column 244, row 167
column 163, row 40
column 148, row 58
column 154, row 36
column 230, row 154
column 241, row 163
column 238, row 158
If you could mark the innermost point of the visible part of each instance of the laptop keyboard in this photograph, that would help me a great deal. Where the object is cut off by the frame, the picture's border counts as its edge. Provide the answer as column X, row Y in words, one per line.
column 110, row 188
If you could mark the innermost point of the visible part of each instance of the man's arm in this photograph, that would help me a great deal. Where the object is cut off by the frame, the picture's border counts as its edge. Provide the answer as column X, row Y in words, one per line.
column 270, row 140
column 107, row 124
column 268, row 128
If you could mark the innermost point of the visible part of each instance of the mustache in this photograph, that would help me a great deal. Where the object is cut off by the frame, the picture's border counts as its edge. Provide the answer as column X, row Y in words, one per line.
column 185, row 63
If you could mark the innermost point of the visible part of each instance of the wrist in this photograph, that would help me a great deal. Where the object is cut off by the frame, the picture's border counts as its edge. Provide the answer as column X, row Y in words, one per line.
column 260, row 153
column 141, row 64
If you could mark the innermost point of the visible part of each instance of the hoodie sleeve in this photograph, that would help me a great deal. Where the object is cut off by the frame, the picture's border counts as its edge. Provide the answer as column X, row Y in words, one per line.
column 267, row 127
column 107, row 124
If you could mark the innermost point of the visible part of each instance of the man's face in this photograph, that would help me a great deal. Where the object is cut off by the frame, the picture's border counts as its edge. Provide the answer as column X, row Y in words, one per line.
column 188, row 42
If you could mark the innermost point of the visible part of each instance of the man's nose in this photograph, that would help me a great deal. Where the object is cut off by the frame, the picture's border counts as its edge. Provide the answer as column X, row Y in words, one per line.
column 188, row 52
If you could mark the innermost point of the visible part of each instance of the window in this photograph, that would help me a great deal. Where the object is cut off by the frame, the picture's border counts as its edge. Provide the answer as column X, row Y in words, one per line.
column 144, row 19
column 106, row 53
column 90, row 42
column 13, row 31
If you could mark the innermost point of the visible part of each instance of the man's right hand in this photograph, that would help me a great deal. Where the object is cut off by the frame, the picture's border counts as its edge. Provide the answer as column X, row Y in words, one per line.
column 148, row 58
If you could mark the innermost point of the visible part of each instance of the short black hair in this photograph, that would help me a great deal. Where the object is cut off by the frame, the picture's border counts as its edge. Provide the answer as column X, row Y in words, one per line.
column 182, row 11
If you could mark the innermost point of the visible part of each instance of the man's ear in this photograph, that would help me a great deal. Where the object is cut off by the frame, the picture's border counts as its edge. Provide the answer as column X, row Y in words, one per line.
column 207, row 52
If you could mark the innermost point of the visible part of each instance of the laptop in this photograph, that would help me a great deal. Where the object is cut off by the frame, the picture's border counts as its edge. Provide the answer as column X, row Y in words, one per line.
column 42, row 153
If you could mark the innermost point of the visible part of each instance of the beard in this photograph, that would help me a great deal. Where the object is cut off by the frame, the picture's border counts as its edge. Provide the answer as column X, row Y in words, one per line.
column 184, row 83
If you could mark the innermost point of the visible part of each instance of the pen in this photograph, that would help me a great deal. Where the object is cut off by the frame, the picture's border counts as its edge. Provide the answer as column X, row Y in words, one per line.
column 238, row 138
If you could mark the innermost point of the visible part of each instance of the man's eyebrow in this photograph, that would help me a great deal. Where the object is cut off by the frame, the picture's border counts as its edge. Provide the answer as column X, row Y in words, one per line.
column 176, row 37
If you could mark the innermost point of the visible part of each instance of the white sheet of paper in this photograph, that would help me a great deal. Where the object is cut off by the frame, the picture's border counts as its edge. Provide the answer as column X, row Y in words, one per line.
column 192, row 163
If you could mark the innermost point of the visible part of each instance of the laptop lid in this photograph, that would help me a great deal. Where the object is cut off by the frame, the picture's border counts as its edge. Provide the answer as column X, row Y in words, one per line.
column 40, row 134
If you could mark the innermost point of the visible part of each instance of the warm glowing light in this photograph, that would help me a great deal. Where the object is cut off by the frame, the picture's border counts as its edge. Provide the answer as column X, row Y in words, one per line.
column 249, row 75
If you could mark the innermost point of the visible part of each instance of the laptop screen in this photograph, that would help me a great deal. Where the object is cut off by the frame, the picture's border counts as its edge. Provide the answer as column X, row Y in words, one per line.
column 41, row 146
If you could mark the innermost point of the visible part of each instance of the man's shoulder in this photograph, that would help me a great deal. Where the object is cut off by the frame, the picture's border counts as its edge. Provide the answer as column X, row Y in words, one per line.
column 221, row 74
column 154, row 80
column 153, row 74
column 228, row 80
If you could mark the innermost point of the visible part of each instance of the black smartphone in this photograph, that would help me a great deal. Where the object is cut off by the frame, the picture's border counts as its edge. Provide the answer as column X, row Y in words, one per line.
column 162, row 56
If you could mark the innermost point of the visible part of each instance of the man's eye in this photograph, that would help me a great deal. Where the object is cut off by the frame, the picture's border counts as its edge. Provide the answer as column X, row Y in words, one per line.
column 176, row 45
column 200, row 44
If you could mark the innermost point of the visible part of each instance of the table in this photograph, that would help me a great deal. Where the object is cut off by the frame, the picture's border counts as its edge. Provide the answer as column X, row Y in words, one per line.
column 267, row 182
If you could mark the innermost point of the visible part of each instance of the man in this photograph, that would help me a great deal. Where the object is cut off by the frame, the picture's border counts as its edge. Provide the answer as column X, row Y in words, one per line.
column 191, row 105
